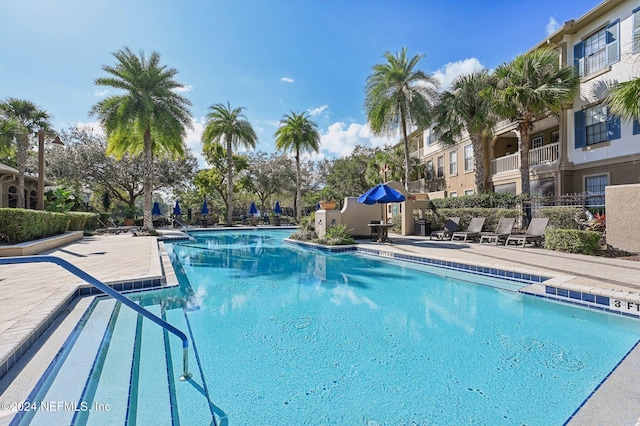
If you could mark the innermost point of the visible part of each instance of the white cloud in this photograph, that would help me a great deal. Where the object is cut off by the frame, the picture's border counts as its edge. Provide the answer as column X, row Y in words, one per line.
column 552, row 25
column 193, row 140
column 317, row 111
column 100, row 93
column 95, row 126
column 287, row 80
column 183, row 89
column 340, row 140
column 450, row 71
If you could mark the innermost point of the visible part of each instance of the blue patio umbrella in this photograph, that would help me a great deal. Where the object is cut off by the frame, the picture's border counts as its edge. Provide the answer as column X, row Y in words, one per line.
column 176, row 210
column 156, row 209
column 252, row 209
column 381, row 193
column 205, row 208
column 277, row 209
column 318, row 206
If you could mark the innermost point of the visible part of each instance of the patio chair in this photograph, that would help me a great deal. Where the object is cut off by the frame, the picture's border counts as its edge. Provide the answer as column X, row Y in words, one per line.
column 502, row 232
column 450, row 227
column 534, row 233
column 375, row 234
column 473, row 230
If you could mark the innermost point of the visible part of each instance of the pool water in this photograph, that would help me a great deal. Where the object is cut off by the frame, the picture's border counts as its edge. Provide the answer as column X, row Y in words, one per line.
column 287, row 335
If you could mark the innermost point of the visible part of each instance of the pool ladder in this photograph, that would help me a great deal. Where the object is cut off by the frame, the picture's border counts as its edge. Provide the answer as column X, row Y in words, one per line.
column 113, row 293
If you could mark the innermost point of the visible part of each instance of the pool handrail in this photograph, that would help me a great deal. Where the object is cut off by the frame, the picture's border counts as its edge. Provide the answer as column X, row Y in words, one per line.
column 113, row 293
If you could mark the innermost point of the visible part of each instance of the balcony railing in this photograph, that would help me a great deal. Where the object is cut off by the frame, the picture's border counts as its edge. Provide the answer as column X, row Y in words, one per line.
column 544, row 155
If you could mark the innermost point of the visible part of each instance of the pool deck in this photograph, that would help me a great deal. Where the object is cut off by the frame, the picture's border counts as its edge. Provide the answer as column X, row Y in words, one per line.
column 33, row 296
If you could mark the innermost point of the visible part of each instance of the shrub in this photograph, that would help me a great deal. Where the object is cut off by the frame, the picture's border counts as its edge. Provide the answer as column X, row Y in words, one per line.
column 21, row 225
column 561, row 217
column 338, row 235
column 572, row 241
column 79, row 221
column 308, row 223
column 491, row 215
column 487, row 201
column 304, row 235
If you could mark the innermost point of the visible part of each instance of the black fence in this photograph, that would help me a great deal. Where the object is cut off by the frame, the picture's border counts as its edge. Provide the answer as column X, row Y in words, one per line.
column 594, row 203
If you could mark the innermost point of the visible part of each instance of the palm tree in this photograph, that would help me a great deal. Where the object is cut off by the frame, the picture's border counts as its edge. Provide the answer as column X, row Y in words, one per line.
column 399, row 97
column 467, row 109
column 532, row 85
column 21, row 119
column 149, row 118
column 299, row 134
column 229, row 126
column 624, row 99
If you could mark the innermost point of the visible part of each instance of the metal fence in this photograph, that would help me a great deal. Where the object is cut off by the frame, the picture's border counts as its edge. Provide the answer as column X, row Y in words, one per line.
column 594, row 203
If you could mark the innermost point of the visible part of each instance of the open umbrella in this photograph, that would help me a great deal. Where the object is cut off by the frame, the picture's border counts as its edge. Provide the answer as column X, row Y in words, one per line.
column 156, row 209
column 252, row 209
column 277, row 209
column 176, row 210
column 381, row 193
column 205, row 208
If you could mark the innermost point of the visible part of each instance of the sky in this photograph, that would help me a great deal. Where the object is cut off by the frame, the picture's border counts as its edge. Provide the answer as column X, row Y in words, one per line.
column 269, row 56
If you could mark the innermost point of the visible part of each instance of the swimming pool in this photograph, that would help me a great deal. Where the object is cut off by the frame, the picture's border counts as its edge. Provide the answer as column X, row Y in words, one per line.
column 286, row 335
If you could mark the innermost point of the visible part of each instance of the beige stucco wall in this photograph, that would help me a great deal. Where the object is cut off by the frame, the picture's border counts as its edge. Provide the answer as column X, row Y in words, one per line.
column 357, row 215
column 623, row 227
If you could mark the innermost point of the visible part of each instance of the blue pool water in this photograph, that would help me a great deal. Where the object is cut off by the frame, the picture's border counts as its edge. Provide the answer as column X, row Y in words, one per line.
column 287, row 335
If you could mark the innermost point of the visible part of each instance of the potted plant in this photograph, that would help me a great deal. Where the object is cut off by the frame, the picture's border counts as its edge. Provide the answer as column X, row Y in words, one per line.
column 327, row 205
column 129, row 216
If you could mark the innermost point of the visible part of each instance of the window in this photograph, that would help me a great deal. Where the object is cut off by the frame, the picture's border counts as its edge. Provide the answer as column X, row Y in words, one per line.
column 555, row 136
column 468, row 192
column 594, row 125
column 598, row 50
column 453, row 163
column 468, row 158
column 636, row 127
column 453, row 194
column 594, row 187
column 636, row 31
column 537, row 142
column 429, row 170
column 33, row 200
column 440, row 170
column 13, row 197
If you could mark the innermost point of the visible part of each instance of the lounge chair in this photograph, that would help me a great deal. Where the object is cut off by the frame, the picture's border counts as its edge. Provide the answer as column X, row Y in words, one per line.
column 113, row 228
column 450, row 227
column 534, row 233
column 473, row 230
column 502, row 232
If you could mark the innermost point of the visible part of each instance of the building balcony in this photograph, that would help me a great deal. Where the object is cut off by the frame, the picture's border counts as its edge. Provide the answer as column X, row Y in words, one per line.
column 538, row 156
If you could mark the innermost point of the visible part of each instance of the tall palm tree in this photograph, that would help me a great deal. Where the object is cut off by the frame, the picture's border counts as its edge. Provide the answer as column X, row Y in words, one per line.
column 624, row 99
column 398, row 97
column 22, row 119
column 532, row 85
column 149, row 118
column 467, row 109
column 228, row 126
column 297, row 133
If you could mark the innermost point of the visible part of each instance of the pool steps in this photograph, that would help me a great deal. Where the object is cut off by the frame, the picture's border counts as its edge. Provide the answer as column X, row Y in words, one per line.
column 120, row 368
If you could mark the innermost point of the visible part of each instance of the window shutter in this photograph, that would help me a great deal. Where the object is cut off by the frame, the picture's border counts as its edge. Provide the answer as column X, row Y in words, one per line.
column 580, row 129
column 613, row 126
column 578, row 58
column 636, row 127
column 635, row 42
column 613, row 42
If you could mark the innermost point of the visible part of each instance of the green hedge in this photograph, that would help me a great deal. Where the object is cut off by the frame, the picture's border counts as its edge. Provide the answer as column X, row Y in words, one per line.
column 560, row 217
column 20, row 225
column 487, row 201
column 79, row 221
column 491, row 215
column 572, row 241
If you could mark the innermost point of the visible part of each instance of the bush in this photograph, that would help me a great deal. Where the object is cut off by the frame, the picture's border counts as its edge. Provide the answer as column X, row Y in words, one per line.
column 304, row 235
column 572, row 241
column 561, row 217
column 491, row 215
column 336, row 236
column 79, row 221
column 21, row 225
column 487, row 200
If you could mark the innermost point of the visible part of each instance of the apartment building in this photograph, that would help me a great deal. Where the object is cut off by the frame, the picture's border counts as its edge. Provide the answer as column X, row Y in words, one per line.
column 581, row 150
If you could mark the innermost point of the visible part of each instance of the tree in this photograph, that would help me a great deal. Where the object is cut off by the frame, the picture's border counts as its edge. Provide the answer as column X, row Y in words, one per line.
column 532, row 85
column 83, row 161
column 297, row 133
column 229, row 126
column 467, row 109
column 624, row 99
column 20, row 120
column 269, row 176
column 346, row 177
column 148, row 119
column 399, row 97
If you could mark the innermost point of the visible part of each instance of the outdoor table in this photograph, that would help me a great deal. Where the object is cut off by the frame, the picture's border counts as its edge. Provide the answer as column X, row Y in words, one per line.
column 383, row 231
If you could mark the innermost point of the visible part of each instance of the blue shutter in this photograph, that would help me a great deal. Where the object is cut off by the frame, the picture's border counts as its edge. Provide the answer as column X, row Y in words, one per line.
column 613, row 126
column 578, row 61
column 636, row 127
column 580, row 129
column 613, row 42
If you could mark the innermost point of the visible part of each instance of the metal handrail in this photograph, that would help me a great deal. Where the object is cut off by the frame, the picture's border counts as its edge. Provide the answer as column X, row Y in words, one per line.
column 113, row 293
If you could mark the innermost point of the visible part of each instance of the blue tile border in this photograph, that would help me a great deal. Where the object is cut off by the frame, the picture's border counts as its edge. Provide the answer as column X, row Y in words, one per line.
column 586, row 300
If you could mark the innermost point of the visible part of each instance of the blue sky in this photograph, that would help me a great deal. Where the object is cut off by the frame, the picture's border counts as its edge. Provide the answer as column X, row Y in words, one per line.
column 270, row 56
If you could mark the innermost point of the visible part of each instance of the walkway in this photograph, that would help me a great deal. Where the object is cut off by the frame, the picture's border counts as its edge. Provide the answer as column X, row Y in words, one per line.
column 30, row 295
